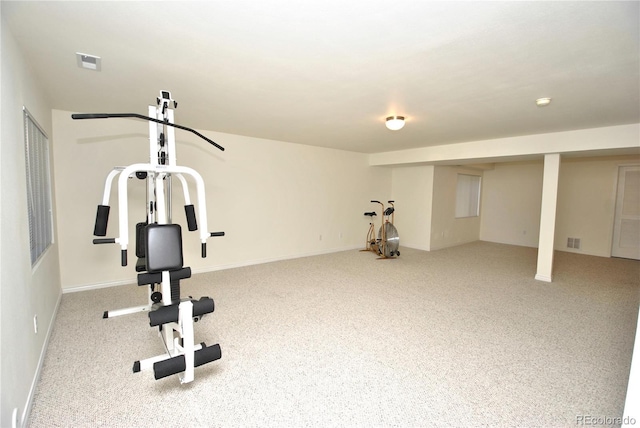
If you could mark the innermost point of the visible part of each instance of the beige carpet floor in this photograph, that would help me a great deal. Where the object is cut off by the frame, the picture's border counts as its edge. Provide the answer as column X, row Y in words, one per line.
column 461, row 337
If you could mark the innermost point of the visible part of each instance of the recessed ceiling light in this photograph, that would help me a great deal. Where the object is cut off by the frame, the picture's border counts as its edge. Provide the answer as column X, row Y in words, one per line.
column 90, row 62
column 541, row 102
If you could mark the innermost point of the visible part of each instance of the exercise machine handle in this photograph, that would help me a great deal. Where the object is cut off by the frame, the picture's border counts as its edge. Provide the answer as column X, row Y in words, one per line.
column 139, row 116
column 90, row 116
column 204, row 244
column 190, row 212
column 104, row 241
column 123, row 253
column 102, row 218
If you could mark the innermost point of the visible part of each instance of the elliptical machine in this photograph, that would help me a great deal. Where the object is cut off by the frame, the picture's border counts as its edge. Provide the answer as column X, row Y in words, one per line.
column 387, row 242
column 159, row 244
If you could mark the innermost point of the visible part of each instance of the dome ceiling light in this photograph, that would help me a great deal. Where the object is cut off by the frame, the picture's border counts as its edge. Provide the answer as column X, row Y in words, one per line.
column 395, row 123
column 541, row 102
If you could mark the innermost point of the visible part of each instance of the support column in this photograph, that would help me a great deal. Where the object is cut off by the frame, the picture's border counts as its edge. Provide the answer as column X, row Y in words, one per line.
column 548, row 216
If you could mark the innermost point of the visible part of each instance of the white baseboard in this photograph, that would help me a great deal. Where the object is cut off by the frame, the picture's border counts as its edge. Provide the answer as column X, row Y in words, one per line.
column 244, row 263
column 36, row 377
column 274, row 259
column 416, row 246
column 98, row 285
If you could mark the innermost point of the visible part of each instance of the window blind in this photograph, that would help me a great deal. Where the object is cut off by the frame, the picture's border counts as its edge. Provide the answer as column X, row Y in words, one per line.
column 40, row 214
column 468, row 196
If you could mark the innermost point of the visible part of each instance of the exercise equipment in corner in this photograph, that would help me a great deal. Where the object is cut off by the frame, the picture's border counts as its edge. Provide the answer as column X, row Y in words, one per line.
column 387, row 242
column 159, row 243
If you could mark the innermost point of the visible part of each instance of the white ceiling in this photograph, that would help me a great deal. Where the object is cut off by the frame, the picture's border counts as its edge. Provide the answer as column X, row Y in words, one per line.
column 327, row 72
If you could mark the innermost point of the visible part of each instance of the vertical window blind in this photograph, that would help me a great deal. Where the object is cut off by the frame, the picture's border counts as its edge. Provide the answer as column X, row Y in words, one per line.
column 38, row 187
column 468, row 196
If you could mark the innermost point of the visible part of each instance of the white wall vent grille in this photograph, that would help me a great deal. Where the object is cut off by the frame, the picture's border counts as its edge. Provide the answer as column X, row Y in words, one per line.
column 573, row 243
column 90, row 62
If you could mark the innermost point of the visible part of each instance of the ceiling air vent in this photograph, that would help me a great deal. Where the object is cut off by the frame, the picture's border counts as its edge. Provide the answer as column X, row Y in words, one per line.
column 90, row 62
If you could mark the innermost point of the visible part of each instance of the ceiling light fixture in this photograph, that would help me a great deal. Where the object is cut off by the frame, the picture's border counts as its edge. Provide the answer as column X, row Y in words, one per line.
column 541, row 102
column 90, row 62
column 395, row 123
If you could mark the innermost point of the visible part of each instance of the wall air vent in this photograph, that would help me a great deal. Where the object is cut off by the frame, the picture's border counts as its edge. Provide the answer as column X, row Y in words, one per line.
column 573, row 243
column 90, row 62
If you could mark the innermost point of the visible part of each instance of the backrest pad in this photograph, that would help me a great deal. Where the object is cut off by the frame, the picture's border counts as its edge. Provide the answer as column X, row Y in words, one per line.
column 163, row 247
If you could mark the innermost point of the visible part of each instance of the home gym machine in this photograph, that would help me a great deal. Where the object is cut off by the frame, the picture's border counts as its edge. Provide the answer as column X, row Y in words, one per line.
column 387, row 242
column 159, row 243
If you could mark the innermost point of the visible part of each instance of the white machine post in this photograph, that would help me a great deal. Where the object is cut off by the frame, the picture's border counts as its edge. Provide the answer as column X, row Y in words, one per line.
column 185, row 321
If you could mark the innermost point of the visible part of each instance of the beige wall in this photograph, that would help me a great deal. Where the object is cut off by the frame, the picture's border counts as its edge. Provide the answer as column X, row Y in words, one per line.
column 446, row 229
column 511, row 198
column 586, row 203
column 26, row 291
column 273, row 200
column 511, row 194
column 413, row 195
column 517, row 148
column 425, row 198
column 511, row 202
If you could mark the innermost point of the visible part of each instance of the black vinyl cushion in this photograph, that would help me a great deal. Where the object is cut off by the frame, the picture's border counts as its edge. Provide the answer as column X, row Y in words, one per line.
column 163, row 247
column 140, row 241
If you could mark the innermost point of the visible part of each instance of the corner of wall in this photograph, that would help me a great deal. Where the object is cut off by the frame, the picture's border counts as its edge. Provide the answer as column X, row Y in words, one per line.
column 26, row 291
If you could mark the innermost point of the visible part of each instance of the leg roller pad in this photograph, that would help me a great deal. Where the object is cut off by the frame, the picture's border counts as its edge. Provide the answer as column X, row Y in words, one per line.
column 177, row 364
column 167, row 314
